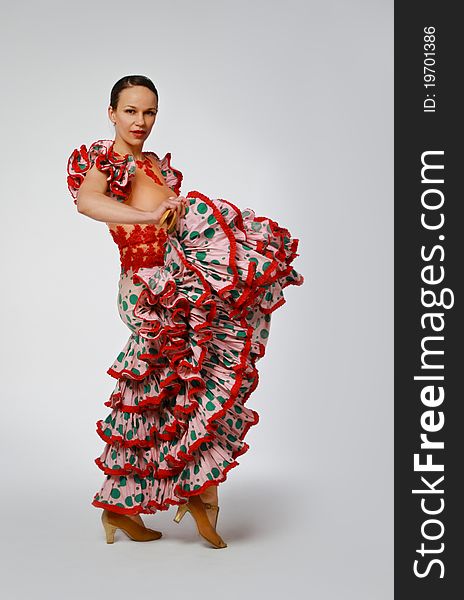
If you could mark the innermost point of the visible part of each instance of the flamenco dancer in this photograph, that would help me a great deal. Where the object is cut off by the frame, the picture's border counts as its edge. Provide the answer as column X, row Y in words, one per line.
column 199, row 280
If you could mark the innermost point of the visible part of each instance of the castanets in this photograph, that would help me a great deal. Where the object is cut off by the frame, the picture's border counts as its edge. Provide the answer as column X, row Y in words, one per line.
column 170, row 217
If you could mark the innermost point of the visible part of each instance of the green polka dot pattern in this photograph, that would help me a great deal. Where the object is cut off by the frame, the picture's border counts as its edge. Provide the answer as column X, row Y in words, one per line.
column 198, row 324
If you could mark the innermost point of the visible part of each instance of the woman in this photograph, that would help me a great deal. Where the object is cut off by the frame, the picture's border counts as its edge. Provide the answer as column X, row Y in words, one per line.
column 199, row 280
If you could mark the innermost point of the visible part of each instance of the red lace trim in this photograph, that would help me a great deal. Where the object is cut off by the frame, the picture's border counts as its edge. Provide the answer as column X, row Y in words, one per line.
column 146, row 166
column 142, row 247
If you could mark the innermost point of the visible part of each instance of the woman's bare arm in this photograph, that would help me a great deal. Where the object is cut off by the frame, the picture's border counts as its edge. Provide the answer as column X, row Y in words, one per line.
column 94, row 203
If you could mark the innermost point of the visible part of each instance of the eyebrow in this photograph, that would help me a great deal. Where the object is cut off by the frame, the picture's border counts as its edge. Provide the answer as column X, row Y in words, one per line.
column 131, row 106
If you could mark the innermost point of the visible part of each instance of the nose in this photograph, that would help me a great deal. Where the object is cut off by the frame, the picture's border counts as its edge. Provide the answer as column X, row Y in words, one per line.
column 140, row 120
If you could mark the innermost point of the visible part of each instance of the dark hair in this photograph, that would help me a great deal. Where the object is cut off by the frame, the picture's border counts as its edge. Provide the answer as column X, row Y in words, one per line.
column 129, row 81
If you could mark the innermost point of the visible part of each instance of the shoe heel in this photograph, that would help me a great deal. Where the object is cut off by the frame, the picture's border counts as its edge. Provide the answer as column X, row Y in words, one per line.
column 109, row 529
column 182, row 509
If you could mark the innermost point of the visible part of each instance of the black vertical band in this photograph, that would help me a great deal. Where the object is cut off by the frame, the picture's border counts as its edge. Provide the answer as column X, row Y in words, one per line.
column 429, row 255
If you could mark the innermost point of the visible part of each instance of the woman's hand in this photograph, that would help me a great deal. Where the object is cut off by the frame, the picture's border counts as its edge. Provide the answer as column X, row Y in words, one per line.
column 181, row 209
column 175, row 203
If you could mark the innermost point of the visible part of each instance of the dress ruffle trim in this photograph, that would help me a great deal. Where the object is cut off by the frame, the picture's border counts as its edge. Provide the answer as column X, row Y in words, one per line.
column 178, row 418
column 120, row 170
column 172, row 176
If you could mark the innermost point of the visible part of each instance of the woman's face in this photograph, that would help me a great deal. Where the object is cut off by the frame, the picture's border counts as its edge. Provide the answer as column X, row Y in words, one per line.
column 136, row 110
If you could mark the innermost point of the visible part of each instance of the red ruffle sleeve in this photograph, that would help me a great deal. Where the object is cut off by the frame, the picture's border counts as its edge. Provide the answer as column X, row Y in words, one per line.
column 120, row 170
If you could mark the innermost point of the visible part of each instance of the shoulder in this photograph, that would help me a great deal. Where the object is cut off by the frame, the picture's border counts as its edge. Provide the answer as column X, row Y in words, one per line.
column 119, row 170
column 81, row 158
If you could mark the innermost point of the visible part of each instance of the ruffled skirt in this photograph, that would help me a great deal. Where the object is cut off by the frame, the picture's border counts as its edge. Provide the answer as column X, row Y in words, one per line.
column 198, row 325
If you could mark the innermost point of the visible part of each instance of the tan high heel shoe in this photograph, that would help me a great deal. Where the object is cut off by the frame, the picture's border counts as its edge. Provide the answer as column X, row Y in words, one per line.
column 196, row 507
column 138, row 519
column 139, row 533
column 212, row 511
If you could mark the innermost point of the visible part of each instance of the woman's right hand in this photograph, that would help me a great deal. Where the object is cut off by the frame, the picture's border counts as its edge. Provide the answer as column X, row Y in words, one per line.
column 176, row 203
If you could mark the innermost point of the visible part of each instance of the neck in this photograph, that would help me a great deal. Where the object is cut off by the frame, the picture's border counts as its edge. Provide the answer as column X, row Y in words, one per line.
column 120, row 147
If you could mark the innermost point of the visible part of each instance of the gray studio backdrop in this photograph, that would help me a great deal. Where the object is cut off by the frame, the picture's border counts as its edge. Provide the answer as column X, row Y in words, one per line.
column 286, row 108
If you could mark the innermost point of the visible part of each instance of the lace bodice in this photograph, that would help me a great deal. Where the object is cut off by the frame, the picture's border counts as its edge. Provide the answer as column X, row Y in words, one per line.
column 140, row 245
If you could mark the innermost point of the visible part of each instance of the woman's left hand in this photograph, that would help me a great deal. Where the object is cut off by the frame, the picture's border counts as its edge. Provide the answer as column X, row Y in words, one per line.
column 172, row 215
column 181, row 208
